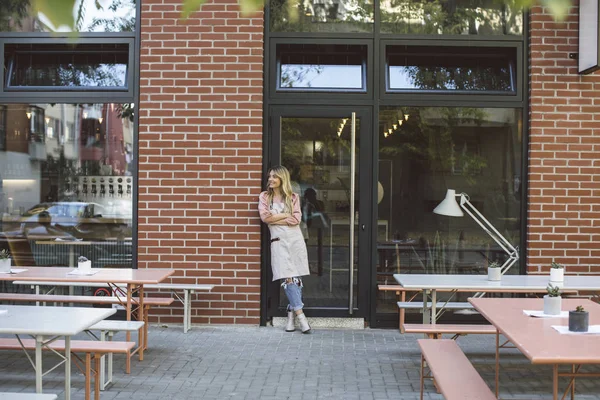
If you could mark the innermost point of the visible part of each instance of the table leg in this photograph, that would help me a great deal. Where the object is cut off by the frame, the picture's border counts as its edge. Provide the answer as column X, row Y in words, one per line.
column 425, row 308
column 186, row 311
column 497, row 363
column 38, row 363
column 67, row 367
column 128, row 310
column 573, row 382
column 433, row 306
column 142, row 317
column 555, row 382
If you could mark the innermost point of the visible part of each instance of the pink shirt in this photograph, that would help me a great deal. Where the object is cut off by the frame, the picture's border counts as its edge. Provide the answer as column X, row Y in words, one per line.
column 264, row 209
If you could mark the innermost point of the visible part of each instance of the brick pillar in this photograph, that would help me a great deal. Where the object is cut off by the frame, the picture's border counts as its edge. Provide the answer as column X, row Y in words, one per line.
column 200, row 146
column 564, row 150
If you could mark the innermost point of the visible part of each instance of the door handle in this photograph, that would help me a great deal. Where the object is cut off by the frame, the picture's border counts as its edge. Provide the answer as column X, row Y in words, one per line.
column 363, row 227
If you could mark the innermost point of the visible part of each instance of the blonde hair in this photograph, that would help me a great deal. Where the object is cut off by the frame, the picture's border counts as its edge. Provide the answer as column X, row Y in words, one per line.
column 283, row 174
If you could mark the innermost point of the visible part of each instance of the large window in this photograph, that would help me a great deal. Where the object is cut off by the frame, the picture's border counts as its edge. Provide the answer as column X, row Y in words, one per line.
column 95, row 16
column 423, row 151
column 67, row 183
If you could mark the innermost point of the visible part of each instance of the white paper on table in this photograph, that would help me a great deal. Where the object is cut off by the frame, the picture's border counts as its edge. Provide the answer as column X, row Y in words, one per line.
column 564, row 330
column 3, row 311
column 540, row 314
column 14, row 271
column 83, row 272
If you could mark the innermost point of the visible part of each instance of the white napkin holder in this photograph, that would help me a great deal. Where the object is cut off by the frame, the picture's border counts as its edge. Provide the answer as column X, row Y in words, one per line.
column 84, row 265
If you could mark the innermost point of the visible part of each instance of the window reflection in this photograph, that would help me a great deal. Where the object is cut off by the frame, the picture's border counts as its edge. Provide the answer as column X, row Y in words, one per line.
column 66, row 183
column 450, row 17
column 69, row 66
column 314, row 67
column 96, row 16
column 451, row 68
column 322, row 16
column 423, row 152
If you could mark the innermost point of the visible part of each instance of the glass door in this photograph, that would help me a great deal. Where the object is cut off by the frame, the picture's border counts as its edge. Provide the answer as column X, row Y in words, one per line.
column 328, row 153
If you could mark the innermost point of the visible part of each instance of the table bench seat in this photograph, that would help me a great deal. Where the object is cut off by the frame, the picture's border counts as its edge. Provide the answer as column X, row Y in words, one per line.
column 107, row 330
column 454, row 375
column 26, row 396
column 435, row 331
column 449, row 305
column 90, row 348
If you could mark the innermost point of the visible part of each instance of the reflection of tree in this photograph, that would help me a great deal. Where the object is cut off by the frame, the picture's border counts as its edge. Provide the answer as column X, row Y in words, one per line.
column 116, row 24
column 477, row 77
column 295, row 76
column 12, row 13
column 321, row 16
column 433, row 143
column 454, row 17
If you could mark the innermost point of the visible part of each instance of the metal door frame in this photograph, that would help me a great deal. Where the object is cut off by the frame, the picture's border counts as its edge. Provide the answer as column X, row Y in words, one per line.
column 271, row 290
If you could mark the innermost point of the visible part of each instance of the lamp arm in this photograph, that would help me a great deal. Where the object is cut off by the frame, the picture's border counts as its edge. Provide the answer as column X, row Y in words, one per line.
column 511, row 251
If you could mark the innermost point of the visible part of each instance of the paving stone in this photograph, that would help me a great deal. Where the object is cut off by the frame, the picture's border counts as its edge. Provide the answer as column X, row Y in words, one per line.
column 229, row 362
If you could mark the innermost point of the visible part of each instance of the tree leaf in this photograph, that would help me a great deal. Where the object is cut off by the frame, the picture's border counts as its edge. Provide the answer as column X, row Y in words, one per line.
column 190, row 6
column 558, row 8
column 251, row 6
column 59, row 12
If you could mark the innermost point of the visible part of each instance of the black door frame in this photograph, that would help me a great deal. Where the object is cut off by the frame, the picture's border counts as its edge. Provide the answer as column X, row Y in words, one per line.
column 271, row 289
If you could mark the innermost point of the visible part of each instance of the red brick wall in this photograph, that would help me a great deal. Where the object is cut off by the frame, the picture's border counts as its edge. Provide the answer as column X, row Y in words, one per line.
column 564, row 158
column 200, row 146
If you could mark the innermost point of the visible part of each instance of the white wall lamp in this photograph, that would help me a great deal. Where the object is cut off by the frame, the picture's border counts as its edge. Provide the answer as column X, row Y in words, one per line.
column 450, row 207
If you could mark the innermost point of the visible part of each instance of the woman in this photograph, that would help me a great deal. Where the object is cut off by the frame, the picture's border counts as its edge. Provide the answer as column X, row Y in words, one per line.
column 279, row 207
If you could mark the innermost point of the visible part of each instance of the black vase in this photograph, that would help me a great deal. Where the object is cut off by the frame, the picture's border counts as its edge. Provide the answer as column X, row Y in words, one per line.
column 579, row 321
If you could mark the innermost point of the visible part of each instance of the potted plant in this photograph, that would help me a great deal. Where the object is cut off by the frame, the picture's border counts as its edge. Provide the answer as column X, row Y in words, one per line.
column 4, row 261
column 557, row 272
column 552, row 301
column 579, row 320
column 494, row 271
column 83, row 263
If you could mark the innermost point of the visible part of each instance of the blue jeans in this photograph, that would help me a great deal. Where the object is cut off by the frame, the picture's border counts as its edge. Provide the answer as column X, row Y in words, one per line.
column 293, row 291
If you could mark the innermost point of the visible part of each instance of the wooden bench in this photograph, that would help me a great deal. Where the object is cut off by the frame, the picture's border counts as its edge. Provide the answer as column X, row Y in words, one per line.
column 107, row 330
column 454, row 375
column 97, row 349
column 103, row 300
column 26, row 396
column 188, row 290
column 435, row 331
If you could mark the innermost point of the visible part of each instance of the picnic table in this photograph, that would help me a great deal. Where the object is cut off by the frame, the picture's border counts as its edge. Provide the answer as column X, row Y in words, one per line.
column 429, row 284
column 539, row 341
column 46, row 324
column 135, row 279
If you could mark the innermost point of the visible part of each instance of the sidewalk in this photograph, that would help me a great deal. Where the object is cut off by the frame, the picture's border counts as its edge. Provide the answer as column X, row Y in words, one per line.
column 228, row 362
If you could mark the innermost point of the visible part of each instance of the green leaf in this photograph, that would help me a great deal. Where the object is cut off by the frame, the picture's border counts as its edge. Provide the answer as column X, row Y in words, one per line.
column 190, row 6
column 250, row 6
column 558, row 8
column 59, row 12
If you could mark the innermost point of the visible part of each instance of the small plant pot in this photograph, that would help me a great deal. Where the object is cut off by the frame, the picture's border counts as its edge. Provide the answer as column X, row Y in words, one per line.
column 552, row 305
column 494, row 274
column 85, row 265
column 5, row 265
column 557, row 274
column 579, row 321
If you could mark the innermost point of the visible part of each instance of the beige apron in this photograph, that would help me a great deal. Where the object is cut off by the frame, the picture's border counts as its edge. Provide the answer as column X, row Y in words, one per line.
column 289, row 257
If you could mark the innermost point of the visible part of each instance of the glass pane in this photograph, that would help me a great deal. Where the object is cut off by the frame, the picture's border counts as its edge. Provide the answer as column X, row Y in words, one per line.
column 67, row 66
column 317, row 153
column 344, row 16
column 310, row 67
column 445, row 68
column 472, row 150
column 95, row 16
column 67, row 183
column 450, row 17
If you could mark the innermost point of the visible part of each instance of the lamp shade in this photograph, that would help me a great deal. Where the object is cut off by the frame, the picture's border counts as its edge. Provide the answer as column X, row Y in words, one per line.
column 449, row 206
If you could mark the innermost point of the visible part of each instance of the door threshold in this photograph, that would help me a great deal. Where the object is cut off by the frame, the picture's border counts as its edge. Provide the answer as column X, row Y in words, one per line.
column 325, row 322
